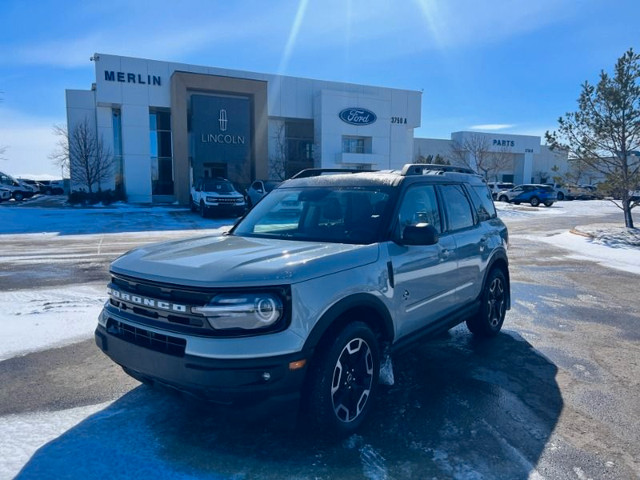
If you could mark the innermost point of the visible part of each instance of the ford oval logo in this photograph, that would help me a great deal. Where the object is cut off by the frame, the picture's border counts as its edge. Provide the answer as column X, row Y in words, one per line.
column 357, row 116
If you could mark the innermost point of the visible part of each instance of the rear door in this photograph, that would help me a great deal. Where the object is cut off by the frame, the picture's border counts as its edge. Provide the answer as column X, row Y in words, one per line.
column 470, row 242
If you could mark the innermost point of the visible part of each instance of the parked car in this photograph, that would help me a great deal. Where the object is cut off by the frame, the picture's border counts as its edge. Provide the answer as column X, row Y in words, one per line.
column 497, row 187
column 580, row 192
column 529, row 193
column 5, row 194
column 259, row 189
column 282, row 311
column 52, row 187
column 561, row 190
column 19, row 190
column 216, row 195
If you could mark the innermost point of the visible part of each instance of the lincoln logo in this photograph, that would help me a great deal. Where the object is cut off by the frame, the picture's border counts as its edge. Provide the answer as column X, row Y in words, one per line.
column 223, row 120
column 357, row 116
column 146, row 302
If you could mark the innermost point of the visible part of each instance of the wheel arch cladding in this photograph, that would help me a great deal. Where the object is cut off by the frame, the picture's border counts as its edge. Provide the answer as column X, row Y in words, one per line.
column 361, row 307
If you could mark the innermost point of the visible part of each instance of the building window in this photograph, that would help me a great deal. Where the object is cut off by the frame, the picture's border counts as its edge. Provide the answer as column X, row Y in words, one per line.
column 356, row 144
column 116, row 122
column 161, row 152
column 299, row 142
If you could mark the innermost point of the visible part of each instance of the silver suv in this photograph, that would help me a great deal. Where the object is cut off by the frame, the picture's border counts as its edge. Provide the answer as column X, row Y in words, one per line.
column 306, row 303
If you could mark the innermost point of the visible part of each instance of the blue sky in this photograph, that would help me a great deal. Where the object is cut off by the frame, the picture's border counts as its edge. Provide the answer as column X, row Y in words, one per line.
column 509, row 66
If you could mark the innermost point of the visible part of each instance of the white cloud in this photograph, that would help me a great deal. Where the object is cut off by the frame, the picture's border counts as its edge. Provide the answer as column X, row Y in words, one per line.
column 492, row 126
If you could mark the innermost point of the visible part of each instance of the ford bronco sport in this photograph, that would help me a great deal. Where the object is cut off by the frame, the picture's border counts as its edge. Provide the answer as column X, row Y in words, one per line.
column 304, row 303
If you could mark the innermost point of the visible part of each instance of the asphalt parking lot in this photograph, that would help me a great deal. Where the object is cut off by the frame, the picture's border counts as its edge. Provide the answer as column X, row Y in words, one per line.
column 555, row 396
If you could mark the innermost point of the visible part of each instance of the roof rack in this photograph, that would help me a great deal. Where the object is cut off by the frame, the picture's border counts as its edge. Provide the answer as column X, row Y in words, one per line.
column 316, row 172
column 432, row 168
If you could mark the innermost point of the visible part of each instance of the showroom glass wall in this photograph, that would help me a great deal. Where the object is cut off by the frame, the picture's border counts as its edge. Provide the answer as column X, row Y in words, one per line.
column 161, row 152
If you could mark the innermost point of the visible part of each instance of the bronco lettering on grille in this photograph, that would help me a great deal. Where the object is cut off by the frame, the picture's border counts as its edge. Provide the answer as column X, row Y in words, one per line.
column 146, row 302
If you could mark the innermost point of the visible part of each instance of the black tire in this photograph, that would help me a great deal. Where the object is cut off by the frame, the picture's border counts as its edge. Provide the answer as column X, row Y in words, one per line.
column 18, row 196
column 560, row 196
column 504, row 198
column 516, row 203
column 535, row 201
column 343, row 380
column 548, row 203
column 493, row 306
column 203, row 210
column 194, row 207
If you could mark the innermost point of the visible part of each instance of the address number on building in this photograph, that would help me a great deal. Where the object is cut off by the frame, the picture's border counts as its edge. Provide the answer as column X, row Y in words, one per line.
column 399, row 120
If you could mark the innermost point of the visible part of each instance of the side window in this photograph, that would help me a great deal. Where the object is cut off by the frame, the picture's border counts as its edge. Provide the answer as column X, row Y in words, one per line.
column 419, row 205
column 456, row 204
column 482, row 201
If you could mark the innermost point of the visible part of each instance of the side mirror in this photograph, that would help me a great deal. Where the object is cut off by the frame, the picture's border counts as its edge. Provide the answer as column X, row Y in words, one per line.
column 420, row 234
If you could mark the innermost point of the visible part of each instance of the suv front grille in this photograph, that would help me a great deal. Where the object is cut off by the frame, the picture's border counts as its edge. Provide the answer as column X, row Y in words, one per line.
column 147, row 339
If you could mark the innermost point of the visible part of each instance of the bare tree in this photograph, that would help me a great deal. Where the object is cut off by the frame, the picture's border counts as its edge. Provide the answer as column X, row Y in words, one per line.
column 278, row 160
column 60, row 156
column 605, row 131
column 475, row 153
column 90, row 161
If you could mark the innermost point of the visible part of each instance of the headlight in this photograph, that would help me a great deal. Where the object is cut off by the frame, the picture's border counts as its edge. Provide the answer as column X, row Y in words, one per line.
column 244, row 311
column 212, row 199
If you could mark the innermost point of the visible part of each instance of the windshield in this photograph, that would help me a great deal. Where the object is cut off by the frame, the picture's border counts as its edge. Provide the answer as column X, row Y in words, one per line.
column 348, row 215
column 217, row 186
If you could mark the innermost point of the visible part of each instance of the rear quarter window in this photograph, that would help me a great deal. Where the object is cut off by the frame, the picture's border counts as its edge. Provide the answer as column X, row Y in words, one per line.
column 482, row 202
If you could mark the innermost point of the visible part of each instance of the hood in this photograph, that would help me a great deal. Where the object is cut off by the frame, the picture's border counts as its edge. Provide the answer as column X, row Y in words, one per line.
column 241, row 261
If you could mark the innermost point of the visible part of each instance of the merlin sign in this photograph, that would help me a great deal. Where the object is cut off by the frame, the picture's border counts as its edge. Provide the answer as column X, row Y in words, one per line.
column 357, row 116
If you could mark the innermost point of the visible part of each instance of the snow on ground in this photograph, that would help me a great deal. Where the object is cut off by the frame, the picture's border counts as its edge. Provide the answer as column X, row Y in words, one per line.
column 609, row 245
column 44, row 318
column 568, row 209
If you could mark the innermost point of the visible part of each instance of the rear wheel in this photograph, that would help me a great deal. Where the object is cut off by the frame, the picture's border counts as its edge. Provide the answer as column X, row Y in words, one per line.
column 560, row 196
column 489, row 319
column 203, row 210
column 18, row 196
column 548, row 203
column 343, row 381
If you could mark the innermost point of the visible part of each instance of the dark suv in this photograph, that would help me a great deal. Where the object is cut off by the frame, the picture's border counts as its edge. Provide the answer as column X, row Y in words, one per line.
column 306, row 302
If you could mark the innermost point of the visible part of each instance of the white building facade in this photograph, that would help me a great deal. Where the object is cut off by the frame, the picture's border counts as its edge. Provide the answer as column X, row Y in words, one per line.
column 167, row 124
column 499, row 157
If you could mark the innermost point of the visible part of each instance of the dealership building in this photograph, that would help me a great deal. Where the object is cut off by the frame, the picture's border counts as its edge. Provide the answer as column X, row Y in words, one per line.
column 167, row 124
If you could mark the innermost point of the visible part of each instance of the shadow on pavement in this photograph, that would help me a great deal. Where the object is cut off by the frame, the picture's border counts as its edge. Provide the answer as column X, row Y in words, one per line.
column 459, row 409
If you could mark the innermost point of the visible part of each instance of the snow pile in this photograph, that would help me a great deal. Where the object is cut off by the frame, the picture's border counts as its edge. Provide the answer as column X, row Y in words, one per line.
column 610, row 235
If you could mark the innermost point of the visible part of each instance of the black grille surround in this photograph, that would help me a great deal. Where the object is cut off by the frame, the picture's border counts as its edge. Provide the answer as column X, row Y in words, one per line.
column 169, row 307
column 147, row 339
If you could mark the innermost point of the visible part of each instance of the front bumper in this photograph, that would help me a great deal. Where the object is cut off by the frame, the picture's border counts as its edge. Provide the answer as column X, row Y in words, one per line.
column 267, row 383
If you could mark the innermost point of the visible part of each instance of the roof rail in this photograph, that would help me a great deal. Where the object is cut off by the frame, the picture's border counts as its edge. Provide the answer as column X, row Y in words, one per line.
column 316, row 172
column 425, row 168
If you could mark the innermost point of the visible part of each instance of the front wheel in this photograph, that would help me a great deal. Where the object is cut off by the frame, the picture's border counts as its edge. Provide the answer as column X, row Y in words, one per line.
column 343, row 381
column 548, row 203
column 560, row 196
column 504, row 198
column 194, row 206
column 535, row 201
column 18, row 196
column 489, row 319
column 203, row 209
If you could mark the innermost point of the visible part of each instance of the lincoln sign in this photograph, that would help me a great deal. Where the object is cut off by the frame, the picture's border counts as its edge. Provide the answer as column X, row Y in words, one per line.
column 357, row 116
